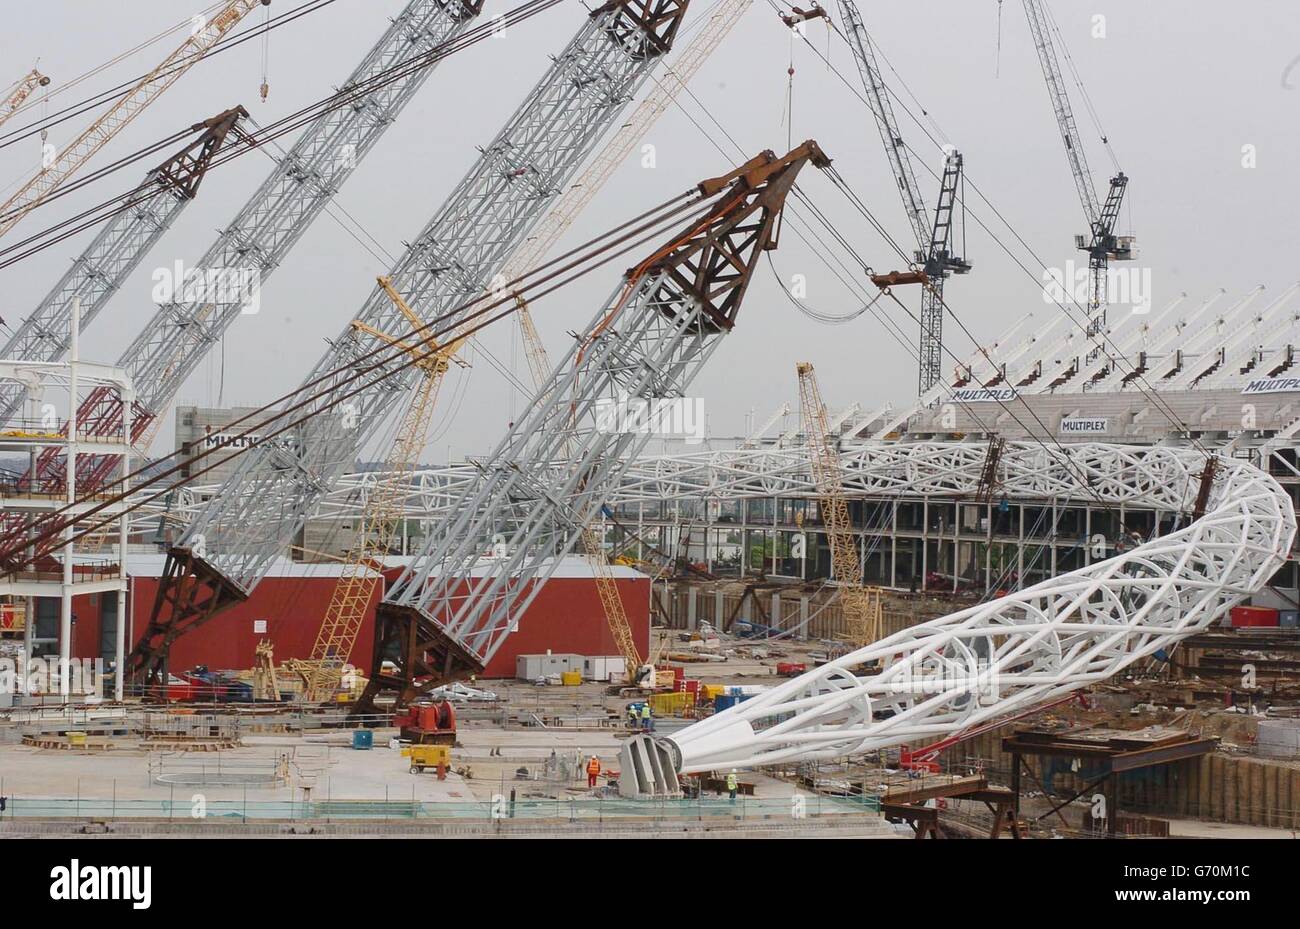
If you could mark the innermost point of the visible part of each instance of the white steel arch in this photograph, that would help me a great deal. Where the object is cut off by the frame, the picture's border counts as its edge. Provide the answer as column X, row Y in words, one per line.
column 946, row 676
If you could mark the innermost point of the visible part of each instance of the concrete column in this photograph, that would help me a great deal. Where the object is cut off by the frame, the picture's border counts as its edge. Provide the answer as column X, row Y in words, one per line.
column 717, row 610
column 776, row 611
column 925, row 537
column 893, row 543
column 1052, row 537
column 65, row 612
column 119, row 634
column 690, row 608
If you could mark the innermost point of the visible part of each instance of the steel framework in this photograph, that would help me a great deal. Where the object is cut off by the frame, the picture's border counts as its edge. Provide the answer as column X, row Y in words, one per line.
column 550, row 476
column 357, row 583
column 943, row 677
column 24, row 89
column 455, row 258
column 258, row 239
column 127, row 107
column 117, row 250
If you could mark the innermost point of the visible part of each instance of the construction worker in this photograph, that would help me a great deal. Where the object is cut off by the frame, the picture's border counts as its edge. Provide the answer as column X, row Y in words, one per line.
column 732, row 785
column 632, row 721
column 593, row 771
column 647, row 723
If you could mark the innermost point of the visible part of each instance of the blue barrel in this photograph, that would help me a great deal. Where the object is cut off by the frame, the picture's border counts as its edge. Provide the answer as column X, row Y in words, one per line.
column 725, row 702
column 363, row 738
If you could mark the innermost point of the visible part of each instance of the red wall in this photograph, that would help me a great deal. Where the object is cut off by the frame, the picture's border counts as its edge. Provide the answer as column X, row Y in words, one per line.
column 565, row 617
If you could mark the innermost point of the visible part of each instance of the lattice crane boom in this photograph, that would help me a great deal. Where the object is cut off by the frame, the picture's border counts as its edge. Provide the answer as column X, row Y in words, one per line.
column 611, row 603
column 616, row 150
column 260, row 236
column 360, row 575
column 127, row 107
column 548, row 479
column 25, row 88
column 232, row 543
column 861, row 604
column 900, row 163
column 117, row 250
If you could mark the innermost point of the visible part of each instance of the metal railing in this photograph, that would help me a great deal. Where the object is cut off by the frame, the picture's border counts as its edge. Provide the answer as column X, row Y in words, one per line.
column 194, row 807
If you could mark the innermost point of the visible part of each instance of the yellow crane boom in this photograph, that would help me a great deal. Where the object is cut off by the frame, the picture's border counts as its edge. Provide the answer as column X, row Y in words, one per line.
column 67, row 162
column 22, row 91
column 862, row 605
column 360, row 575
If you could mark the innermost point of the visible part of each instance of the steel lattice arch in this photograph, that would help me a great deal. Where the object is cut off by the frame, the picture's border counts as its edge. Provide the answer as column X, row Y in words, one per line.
column 944, row 677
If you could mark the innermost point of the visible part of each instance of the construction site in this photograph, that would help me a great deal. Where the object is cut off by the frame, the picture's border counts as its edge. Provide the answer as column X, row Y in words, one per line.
column 492, row 545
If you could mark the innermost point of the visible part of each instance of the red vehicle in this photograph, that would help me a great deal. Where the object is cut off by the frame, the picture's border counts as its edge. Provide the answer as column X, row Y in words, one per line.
column 180, row 690
column 427, row 723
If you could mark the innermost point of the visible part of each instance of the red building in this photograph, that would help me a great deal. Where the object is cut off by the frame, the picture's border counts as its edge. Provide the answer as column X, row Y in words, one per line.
column 287, row 607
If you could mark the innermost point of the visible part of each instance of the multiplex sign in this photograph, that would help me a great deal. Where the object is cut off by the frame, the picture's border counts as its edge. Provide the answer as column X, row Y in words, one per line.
column 1272, row 385
column 984, row 394
column 1084, row 425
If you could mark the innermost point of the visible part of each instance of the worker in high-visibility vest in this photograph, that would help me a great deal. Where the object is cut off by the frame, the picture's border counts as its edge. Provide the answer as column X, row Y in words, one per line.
column 593, row 770
column 733, row 784
column 647, row 721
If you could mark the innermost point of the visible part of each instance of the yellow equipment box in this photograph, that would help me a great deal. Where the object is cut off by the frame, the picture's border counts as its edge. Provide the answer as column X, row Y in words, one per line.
column 427, row 756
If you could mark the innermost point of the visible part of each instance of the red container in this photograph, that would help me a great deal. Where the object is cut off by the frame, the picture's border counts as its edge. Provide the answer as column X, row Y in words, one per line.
column 790, row 668
column 1254, row 616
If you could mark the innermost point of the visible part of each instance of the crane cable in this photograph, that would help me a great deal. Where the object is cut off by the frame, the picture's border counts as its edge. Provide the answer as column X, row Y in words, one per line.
column 578, row 262
column 71, row 111
column 281, row 127
column 1118, row 358
column 839, row 182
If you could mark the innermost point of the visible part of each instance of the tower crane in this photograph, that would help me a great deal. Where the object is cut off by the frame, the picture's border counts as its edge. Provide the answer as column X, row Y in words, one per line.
column 362, row 569
column 1101, row 243
column 934, row 258
column 117, row 250
column 235, row 538
column 554, row 471
column 22, row 91
column 260, row 236
column 861, row 604
column 123, row 112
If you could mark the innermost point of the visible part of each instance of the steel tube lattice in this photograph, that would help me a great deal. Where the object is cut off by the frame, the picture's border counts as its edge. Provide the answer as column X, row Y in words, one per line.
column 116, row 250
column 552, row 473
column 258, row 239
column 943, row 677
column 454, row 259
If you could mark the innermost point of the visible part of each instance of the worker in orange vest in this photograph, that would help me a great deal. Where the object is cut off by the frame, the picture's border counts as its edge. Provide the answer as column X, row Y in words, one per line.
column 593, row 770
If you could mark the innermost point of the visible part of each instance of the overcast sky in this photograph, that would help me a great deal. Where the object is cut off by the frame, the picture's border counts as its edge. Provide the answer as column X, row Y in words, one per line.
column 1180, row 87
